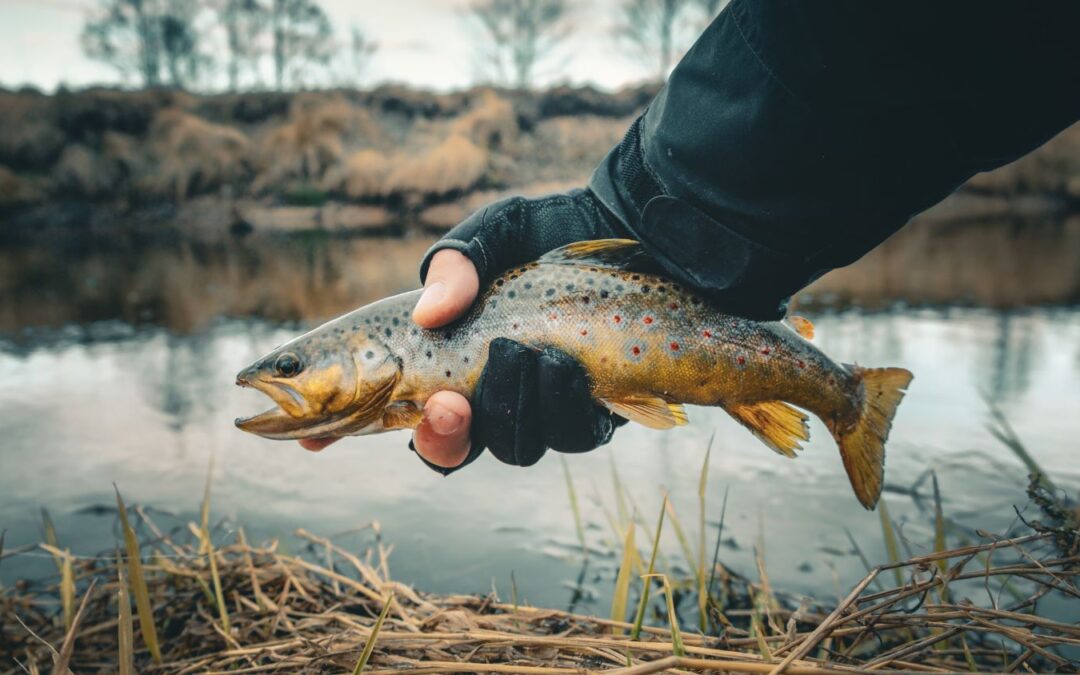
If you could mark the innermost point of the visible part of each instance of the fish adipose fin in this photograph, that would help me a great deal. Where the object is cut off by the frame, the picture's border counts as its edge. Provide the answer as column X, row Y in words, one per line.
column 777, row 424
column 802, row 326
column 621, row 254
column 650, row 411
column 862, row 445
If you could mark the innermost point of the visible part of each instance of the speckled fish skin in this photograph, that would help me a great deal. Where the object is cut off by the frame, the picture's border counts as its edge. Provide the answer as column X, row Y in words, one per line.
column 647, row 343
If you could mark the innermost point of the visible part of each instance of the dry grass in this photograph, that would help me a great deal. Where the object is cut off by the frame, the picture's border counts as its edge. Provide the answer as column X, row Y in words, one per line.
column 344, row 614
column 454, row 165
column 491, row 123
column 312, row 141
column 192, row 155
column 364, row 174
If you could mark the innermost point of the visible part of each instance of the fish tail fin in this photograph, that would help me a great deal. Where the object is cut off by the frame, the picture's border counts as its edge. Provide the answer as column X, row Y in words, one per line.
column 862, row 445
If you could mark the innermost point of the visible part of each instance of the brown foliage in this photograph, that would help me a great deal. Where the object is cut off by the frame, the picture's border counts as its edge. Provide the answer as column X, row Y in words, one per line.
column 192, row 155
column 454, row 165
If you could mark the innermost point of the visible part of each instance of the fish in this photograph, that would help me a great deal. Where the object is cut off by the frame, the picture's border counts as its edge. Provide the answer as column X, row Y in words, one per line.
column 649, row 345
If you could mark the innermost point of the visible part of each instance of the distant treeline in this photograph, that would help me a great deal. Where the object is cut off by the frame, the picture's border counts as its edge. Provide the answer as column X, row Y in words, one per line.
column 201, row 45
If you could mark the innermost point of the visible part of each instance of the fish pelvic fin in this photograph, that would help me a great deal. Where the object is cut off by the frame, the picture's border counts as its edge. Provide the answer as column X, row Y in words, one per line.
column 650, row 411
column 862, row 445
column 779, row 425
column 802, row 326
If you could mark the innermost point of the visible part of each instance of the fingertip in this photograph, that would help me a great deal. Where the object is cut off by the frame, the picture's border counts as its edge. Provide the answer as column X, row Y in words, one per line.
column 443, row 435
column 449, row 290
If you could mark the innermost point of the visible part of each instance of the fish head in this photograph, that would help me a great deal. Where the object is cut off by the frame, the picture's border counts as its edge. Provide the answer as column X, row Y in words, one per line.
column 322, row 384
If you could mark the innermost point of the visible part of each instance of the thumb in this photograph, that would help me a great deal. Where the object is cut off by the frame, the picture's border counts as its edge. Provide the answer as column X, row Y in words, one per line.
column 449, row 289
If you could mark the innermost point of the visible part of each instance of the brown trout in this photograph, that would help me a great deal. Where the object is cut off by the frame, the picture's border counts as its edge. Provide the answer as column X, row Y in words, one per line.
column 649, row 346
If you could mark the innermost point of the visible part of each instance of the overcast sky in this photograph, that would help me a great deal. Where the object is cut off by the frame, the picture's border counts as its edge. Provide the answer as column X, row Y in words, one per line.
column 421, row 42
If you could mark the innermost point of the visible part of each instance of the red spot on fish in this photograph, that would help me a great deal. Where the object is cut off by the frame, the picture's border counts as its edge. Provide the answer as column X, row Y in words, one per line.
column 741, row 360
column 707, row 333
column 553, row 316
column 832, row 381
column 647, row 320
column 734, row 324
column 585, row 299
column 673, row 305
column 764, row 350
column 636, row 351
column 618, row 319
column 584, row 332
column 674, row 346
column 802, row 364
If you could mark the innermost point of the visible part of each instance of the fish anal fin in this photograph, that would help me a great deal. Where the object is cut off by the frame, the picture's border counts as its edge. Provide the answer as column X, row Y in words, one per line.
column 802, row 326
column 650, row 411
column 777, row 424
column 611, row 253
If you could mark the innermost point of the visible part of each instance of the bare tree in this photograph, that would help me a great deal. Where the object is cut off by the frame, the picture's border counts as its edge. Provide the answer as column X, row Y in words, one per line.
column 301, row 38
column 149, row 37
column 520, row 34
column 648, row 28
column 244, row 22
column 125, row 34
column 361, row 49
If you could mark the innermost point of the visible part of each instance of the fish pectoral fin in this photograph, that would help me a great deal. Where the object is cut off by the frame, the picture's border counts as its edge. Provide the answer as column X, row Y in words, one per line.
column 612, row 253
column 650, row 411
column 402, row 415
column 777, row 424
column 802, row 326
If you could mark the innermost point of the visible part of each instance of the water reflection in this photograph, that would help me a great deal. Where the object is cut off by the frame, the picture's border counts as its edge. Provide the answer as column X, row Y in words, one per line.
column 186, row 285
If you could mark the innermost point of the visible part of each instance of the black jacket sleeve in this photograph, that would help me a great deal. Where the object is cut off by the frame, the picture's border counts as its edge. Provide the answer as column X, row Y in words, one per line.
column 795, row 136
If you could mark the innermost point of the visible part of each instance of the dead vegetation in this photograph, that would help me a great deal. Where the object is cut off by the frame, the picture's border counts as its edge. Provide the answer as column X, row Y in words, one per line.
column 193, row 156
column 207, row 607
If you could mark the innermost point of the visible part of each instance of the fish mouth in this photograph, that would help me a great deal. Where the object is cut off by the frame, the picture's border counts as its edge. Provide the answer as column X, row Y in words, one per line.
column 290, row 417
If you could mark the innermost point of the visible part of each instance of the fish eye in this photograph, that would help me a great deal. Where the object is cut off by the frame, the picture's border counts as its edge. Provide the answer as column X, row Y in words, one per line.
column 287, row 365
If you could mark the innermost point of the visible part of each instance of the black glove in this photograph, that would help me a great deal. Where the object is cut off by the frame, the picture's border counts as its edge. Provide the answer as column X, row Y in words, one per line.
column 517, row 230
column 527, row 401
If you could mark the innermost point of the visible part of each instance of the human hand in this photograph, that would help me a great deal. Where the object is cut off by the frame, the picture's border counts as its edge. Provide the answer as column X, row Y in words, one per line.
column 527, row 400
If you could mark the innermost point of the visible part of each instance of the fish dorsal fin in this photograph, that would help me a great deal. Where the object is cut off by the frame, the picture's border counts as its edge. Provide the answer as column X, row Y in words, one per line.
column 802, row 326
column 777, row 424
column 650, row 411
column 619, row 254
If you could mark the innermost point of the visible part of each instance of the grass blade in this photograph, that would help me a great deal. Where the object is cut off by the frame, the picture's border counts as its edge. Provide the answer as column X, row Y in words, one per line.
column 622, row 581
column 703, row 481
column 684, row 543
column 62, row 660
column 369, row 645
column 219, row 596
column 644, row 601
column 1003, row 431
column 51, row 538
column 676, row 633
column 67, row 589
column 125, row 636
column 892, row 549
column 574, row 507
column 620, row 495
column 138, row 582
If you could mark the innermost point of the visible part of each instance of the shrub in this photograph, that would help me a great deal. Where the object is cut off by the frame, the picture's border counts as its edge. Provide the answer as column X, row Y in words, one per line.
column 192, row 155
column 454, row 165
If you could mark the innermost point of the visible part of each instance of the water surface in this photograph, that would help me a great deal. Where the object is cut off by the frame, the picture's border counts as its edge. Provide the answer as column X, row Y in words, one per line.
column 119, row 367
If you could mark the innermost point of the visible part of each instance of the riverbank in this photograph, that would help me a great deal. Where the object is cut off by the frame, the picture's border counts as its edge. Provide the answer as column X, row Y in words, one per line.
column 391, row 160
column 236, row 607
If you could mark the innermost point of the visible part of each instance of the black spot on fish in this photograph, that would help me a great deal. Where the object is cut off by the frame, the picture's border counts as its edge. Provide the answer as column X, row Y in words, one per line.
column 636, row 277
column 549, row 292
column 619, row 288
column 389, row 332
column 511, row 294
column 428, row 353
column 528, row 285
column 396, row 321
column 448, row 373
column 369, row 354
column 604, row 294
column 415, row 331
column 339, row 331
column 645, row 289
column 569, row 287
column 499, row 282
column 465, row 359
